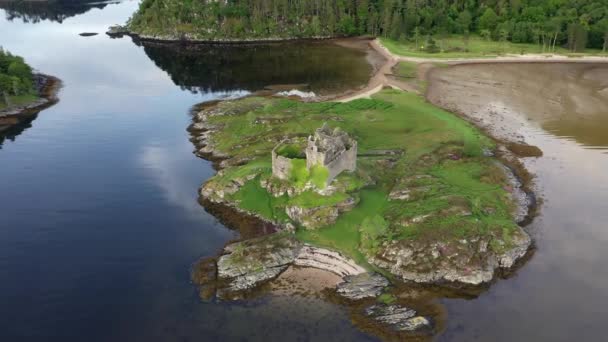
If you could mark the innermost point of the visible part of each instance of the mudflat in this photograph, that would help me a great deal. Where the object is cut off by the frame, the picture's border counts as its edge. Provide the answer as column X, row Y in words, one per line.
column 567, row 99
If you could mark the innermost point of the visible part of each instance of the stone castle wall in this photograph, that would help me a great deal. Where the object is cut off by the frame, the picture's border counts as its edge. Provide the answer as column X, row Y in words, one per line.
column 347, row 161
column 281, row 166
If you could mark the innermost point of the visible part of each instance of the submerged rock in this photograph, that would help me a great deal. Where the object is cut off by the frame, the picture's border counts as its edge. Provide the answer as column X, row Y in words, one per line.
column 364, row 285
column 398, row 317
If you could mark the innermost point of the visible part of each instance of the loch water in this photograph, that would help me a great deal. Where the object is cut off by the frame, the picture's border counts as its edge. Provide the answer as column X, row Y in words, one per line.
column 99, row 219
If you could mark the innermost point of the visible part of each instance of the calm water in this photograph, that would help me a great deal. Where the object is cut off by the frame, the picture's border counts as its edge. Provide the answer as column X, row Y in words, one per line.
column 561, row 294
column 100, row 221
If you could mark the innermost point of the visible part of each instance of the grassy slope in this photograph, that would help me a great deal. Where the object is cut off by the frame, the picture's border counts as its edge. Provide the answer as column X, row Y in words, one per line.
column 392, row 120
column 478, row 47
column 19, row 100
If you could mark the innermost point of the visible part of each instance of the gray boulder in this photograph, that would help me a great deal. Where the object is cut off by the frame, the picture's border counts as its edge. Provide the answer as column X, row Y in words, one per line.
column 249, row 263
column 398, row 317
column 364, row 285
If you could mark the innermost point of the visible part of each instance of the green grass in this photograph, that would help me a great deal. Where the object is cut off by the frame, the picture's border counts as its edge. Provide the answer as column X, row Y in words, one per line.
column 319, row 175
column 309, row 199
column 19, row 100
column 291, row 151
column 438, row 144
column 254, row 198
column 454, row 47
column 406, row 69
column 344, row 235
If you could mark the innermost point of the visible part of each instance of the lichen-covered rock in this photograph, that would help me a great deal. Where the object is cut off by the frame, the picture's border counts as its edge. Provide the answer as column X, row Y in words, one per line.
column 468, row 261
column 364, row 285
column 398, row 317
column 313, row 218
column 317, row 217
column 248, row 263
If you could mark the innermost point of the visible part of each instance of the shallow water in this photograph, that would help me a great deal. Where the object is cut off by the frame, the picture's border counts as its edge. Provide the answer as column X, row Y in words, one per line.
column 561, row 293
column 100, row 221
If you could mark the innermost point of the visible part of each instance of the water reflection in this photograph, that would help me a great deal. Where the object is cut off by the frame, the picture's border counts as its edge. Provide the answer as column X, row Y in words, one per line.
column 52, row 10
column 560, row 294
column 321, row 67
column 11, row 128
column 100, row 219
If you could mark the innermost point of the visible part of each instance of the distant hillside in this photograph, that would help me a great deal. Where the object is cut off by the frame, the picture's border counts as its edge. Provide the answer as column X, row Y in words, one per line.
column 573, row 23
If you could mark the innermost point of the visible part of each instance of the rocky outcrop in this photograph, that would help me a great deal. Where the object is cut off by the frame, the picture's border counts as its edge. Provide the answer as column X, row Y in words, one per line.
column 522, row 200
column 249, row 263
column 363, row 285
column 325, row 259
column 46, row 87
column 321, row 216
column 467, row 261
column 398, row 317
column 313, row 218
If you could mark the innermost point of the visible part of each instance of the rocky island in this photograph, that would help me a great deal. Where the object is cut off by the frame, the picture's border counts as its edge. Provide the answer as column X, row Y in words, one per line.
column 377, row 191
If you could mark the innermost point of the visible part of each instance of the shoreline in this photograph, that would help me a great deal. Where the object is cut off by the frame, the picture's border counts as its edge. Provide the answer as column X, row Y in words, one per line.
column 48, row 96
column 521, row 178
column 118, row 31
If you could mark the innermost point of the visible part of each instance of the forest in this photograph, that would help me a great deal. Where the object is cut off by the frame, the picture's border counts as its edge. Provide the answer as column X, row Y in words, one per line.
column 573, row 24
column 16, row 78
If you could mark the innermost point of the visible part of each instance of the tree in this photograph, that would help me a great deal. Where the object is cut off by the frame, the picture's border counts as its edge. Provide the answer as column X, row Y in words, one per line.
column 555, row 25
column 488, row 21
column 6, row 85
column 416, row 37
column 485, row 34
column 464, row 23
column 602, row 26
column 577, row 37
column 503, row 37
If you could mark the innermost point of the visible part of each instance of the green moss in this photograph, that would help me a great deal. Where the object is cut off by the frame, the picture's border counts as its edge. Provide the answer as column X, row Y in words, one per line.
column 319, row 175
column 373, row 231
column 292, row 151
column 254, row 198
column 344, row 235
column 461, row 192
column 299, row 173
column 387, row 298
column 310, row 199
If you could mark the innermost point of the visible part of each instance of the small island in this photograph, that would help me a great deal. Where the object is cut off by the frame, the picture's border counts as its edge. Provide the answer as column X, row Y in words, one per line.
column 380, row 190
column 22, row 91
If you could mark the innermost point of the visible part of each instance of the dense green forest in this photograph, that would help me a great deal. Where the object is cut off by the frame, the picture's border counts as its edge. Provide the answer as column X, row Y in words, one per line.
column 574, row 24
column 16, row 78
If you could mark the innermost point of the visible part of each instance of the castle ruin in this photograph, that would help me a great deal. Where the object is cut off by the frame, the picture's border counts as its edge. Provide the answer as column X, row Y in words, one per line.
column 330, row 148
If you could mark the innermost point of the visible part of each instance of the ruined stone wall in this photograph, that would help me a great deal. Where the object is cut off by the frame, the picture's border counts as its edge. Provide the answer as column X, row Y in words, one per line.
column 347, row 161
column 281, row 166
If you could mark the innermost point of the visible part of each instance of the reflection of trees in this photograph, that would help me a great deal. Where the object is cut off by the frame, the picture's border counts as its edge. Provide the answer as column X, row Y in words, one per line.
column 207, row 68
column 53, row 10
column 11, row 132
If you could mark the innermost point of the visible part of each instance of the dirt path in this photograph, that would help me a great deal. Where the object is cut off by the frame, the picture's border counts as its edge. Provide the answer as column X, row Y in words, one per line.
column 382, row 79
